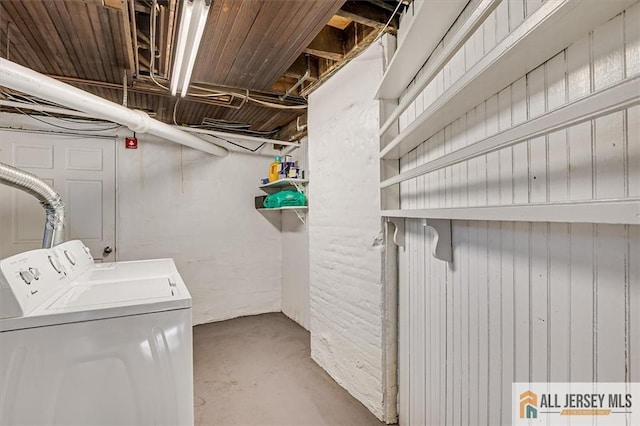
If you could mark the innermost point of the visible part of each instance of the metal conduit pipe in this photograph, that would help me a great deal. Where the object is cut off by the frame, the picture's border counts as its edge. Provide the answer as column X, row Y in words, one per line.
column 28, row 81
column 48, row 197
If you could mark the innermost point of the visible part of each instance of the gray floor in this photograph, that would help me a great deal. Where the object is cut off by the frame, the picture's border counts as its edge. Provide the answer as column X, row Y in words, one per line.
column 257, row 371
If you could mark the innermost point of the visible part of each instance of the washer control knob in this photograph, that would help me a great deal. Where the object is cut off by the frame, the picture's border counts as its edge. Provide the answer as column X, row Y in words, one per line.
column 35, row 272
column 70, row 257
column 26, row 276
column 55, row 264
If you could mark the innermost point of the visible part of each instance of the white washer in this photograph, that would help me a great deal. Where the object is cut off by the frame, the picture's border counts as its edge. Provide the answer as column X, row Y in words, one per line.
column 89, row 344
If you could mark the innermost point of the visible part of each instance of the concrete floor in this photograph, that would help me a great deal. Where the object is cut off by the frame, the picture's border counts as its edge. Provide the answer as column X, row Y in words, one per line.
column 258, row 371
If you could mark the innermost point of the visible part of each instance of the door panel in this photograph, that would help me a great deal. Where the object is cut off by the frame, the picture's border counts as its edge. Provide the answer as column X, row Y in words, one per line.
column 81, row 170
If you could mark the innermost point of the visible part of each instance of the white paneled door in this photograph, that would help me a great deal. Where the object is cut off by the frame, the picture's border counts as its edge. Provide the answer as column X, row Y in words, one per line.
column 81, row 170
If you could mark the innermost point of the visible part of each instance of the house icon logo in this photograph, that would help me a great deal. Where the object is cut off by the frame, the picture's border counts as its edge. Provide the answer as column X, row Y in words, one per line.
column 528, row 405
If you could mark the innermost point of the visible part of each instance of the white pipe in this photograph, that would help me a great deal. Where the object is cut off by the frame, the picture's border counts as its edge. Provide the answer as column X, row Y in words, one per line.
column 72, row 113
column 25, row 80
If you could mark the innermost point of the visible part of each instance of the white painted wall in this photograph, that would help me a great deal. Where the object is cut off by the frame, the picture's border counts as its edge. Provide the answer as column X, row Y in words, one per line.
column 522, row 301
column 198, row 209
column 176, row 202
column 295, row 257
column 345, row 240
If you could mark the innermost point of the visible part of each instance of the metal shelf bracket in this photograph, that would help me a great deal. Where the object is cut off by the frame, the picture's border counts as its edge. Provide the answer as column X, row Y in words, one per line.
column 441, row 247
column 398, row 232
column 300, row 215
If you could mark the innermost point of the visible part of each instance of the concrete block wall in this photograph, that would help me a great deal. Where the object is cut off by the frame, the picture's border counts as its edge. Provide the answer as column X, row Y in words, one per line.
column 345, row 239
column 522, row 301
column 295, row 256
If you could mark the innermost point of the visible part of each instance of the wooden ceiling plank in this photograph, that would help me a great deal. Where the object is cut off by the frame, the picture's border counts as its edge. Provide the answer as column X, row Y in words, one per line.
column 125, row 20
column 383, row 5
column 253, row 48
column 50, row 35
column 104, row 37
column 310, row 34
column 364, row 13
column 284, row 31
column 81, row 18
column 37, row 59
column 216, row 33
column 306, row 26
column 18, row 49
column 62, row 23
column 245, row 18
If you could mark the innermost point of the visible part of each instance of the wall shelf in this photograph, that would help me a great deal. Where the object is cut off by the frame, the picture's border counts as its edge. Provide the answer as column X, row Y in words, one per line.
column 551, row 28
column 431, row 21
column 299, row 185
column 624, row 211
column 280, row 184
column 603, row 102
column 438, row 61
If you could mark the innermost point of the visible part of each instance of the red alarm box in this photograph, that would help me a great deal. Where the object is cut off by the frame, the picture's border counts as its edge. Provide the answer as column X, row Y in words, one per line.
column 131, row 143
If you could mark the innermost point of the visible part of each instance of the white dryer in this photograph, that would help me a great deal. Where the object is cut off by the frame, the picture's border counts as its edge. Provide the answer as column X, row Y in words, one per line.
column 90, row 344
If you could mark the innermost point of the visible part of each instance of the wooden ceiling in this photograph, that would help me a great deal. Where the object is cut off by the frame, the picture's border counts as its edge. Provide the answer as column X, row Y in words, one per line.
column 259, row 48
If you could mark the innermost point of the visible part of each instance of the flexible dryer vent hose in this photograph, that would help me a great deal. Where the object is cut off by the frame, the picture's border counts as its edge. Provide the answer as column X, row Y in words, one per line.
column 48, row 197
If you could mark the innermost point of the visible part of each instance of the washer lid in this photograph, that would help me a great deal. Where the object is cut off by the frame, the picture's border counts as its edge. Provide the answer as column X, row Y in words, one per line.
column 91, row 300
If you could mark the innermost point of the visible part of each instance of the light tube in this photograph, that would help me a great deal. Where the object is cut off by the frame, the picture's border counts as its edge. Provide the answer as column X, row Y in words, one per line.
column 192, row 24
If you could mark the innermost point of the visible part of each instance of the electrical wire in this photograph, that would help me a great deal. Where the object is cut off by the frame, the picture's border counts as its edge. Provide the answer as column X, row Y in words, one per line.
column 65, row 128
column 152, row 25
column 237, row 144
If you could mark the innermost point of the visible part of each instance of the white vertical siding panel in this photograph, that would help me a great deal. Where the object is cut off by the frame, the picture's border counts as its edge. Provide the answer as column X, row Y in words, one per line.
column 494, row 295
column 481, row 161
column 448, row 171
column 558, row 165
column 440, row 174
column 411, row 113
column 582, row 300
column 522, row 290
column 520, row 173
column 457, row 65
column 470, row 50
column 437, row 387
column 441, row 274
column 404, row 315
column 519, row 101
column 556, row 81
column 538, row 170
column 439, row 79
column 479, row 43
column 492, row 159
column 536, row 92
column 632, row 40
column 474, row 323
column 420, row 314
column 580, row 158
column 559, row 303
column 465, row 323
column 506, row 154
column 608, row 62
column 456, row 333
column 609, row 156
column 531, row 6
column 483, row 324
column 446, row 75
column 502, row 20
column 463, row 167
column 633, row 284
column 455, row 183
column 538, row 281
column 412, row 244
column 429, row 94
column 450, row 337
column 633, row 151
column 516, row 13
column 489, row 27
column 579, row 69
column 611, row 250
column 403, row 121
column 508, row 317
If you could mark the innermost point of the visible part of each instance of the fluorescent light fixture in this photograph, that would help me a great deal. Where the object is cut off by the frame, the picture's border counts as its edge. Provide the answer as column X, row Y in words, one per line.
column 192, row 23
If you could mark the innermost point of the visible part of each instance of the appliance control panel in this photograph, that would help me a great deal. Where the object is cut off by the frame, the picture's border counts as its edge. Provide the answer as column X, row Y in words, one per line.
column 28, row 279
